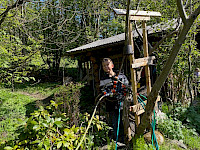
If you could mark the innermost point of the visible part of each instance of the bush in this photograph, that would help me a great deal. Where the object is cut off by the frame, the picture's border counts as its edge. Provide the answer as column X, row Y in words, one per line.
column 171, row 128
column 69, row 97
column 59, row 125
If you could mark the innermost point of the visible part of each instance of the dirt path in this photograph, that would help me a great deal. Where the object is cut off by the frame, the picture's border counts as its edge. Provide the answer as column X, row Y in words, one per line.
column 34, row 95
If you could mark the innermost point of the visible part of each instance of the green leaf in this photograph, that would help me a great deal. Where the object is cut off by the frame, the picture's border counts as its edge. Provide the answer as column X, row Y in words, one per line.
column 58, row 123
column 66, row 144
column 59, row 144
column 36, row 127
column 98, row 127
column 45, row 125
column 57, row 119
column 8, row 147
column 34, row 122
column 36, row 141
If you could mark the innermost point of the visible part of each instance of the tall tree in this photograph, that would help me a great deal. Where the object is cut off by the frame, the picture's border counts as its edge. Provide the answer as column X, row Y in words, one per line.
column 187, row 23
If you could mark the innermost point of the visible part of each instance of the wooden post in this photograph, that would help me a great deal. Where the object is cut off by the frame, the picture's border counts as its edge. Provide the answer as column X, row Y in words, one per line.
column 126, row 106
column 88, row 73
column 80, row 69
column 146, row 54
column 95, row 66
column 133, row 74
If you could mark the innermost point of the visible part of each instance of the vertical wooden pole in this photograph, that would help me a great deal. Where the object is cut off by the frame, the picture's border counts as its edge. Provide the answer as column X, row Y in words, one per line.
column 126, row 106
column 133, row 74
column 146, row 54
column 88, row 72
column 80, row 69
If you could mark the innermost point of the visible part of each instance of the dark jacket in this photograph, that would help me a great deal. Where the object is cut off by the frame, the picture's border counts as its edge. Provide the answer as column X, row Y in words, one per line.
column 112, row 104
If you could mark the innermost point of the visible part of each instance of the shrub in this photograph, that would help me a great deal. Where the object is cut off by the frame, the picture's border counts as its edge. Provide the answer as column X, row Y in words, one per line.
column 69, row 97
column 171, row 128
column 45, row 130
column 57, row 126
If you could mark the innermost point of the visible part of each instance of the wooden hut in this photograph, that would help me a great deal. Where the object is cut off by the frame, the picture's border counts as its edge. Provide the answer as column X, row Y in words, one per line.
column 89, row 56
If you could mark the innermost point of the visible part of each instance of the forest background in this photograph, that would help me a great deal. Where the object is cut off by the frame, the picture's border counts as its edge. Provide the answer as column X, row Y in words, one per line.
column 35, row 34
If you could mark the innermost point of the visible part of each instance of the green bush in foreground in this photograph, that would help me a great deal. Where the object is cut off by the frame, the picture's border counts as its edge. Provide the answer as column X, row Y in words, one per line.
column 55, row 127
column 44, row 130
column 173, row 128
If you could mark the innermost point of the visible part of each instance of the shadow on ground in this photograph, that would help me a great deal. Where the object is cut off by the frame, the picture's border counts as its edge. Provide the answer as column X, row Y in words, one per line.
column 30, row 107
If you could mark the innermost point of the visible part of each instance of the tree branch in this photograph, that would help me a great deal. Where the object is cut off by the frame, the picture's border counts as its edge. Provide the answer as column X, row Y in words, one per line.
column 5, row 13
column 166, row 70
column 162, row 40
column 181, row 11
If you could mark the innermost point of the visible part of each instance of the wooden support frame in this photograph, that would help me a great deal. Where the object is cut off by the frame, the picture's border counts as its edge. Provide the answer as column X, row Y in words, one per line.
column 137, row 13
column 135, row 63
column 143, row 61
column 133, row 74
column 146, row 54
column 138, row 109
column 140, row 18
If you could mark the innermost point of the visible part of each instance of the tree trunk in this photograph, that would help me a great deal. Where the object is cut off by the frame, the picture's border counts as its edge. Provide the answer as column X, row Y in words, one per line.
column 166, row 69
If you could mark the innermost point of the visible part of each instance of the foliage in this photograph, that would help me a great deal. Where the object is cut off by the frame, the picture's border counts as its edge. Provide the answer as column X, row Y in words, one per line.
column 52, row 127
column 45, row 130
column 13, row 61
column 171, row 128
column 69, row 98
column 181, row 124
column 48, row 130
column 12, row 107
column 191, row 138
column 140, row 144
column 188, row 116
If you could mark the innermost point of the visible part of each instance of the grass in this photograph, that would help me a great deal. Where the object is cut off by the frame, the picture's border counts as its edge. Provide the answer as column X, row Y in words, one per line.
column 44, row 89
column 13, row 107
column 16, row 105
column 193, row 141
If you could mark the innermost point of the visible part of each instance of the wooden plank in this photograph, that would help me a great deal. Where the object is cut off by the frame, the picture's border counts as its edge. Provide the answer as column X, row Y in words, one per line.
column 139, row 18
column 143, row 61
column 133, row 74
column 145, row 47
column 141, row 111
column 137, row 107
column 137, row 13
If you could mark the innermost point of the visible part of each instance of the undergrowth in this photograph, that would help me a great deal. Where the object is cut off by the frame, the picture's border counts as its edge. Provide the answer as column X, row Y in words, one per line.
column 58, row 125
column 182, row 123
column 58, row 122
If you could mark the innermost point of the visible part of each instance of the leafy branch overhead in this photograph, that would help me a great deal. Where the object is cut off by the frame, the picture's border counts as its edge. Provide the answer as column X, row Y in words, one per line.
column 5, row 13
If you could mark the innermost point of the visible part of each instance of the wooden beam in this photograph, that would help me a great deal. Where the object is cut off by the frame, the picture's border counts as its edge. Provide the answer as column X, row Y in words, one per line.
column 143, row 61
column 145, row 47
column 137, row 13
column 137, row 107
column 133, row 74
column 125, row 117
column 141, row 111
column 140, row 18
